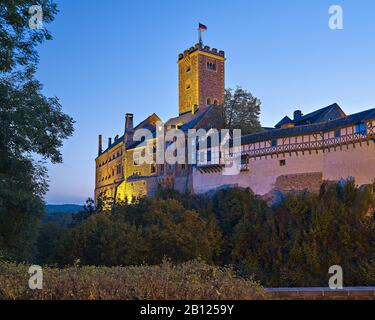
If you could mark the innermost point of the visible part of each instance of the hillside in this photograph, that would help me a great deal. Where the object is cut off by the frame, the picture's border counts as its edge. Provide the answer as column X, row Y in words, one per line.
column 63, row 208
column 61, row 214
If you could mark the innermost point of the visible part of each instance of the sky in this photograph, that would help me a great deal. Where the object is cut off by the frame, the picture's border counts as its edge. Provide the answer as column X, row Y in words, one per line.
column 113, row 57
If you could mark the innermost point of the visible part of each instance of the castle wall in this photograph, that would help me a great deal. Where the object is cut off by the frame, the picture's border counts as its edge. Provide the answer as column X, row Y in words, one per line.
column 109, row 172
column 298, row 172
column 211, row 82
column 265, row 172
column 188, row 85
column 355, row 161
column 197, row 82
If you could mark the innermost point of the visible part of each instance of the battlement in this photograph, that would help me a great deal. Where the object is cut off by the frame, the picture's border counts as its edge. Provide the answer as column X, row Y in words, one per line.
column 200, row 47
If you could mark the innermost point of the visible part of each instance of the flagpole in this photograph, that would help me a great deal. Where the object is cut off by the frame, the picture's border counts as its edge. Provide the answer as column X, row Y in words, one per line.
column 200, row 36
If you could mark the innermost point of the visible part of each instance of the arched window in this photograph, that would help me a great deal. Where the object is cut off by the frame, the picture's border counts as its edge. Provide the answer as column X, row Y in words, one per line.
column 209, row 101
column 215, row 102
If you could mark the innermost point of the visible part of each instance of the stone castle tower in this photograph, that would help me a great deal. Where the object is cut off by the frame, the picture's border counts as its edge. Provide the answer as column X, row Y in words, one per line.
column 201, row 73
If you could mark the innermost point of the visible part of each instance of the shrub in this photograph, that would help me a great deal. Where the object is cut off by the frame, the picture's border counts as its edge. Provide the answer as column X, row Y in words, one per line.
column 191, row 280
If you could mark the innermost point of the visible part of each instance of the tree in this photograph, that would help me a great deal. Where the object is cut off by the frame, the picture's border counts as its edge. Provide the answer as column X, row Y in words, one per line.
column 102, row 241
column 87, row 212
column 296, row 242
column 18, row 40
column 30, row 124
column 49, row 243
column 240, row 110
column 171, row 230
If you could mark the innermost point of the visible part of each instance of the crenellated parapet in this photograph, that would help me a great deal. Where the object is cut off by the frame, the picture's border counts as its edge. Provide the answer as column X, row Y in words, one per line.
column 201, row 48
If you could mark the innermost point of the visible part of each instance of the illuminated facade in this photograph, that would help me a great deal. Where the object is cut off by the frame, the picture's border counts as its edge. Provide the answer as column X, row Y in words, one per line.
column 298, row 154
column 201, row 78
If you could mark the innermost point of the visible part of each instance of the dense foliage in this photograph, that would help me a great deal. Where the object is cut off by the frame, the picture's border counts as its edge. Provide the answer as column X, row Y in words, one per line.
column 240, row 110
column 189, row 281
column 30, row 125
column 291, row 244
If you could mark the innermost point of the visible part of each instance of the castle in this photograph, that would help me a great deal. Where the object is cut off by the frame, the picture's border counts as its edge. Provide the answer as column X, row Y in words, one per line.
column 299, row 153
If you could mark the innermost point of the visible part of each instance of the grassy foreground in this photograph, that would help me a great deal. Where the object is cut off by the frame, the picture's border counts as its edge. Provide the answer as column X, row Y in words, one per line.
column 191, row 280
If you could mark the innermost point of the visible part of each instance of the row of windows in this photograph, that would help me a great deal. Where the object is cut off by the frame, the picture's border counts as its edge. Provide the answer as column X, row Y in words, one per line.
column 111, row 157
column 119, row 170
column 152, row 170
column 358, row 129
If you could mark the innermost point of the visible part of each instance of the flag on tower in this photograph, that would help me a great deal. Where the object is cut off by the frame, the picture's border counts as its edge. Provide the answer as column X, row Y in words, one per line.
column 202, row 27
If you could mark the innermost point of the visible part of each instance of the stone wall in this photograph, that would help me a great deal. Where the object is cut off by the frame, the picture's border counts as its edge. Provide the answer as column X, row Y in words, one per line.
column 211, row 82
column 297, row 171
column 356, row 293
column 299, row 182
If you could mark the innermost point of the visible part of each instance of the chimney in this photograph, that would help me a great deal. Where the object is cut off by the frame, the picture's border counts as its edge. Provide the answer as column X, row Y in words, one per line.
column 297, row 115
column 100, row 147
column 129, row 121
column 129, row 129
column 109, row 142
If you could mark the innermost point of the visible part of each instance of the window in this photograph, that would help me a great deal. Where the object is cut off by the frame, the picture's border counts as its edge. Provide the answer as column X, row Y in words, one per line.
column 188, row 85
column 208, row 101
column 153, row 168
column 211, row 65
column 209, row 156
column 360, row 128
column 338, row 133
column 274, row 143
column 282, row 163
column 215, row 102
column 188, row 67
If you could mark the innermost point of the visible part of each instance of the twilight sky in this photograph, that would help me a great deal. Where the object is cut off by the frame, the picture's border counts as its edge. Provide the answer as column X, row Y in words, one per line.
column 116, row 56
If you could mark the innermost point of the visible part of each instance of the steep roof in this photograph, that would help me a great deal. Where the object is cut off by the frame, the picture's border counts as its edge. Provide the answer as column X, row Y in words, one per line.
column 331, row 112
column 147, row 123
column 284, row 121
column 310, row 128
column 189, row 120
column 321, row 115
column 198, row 117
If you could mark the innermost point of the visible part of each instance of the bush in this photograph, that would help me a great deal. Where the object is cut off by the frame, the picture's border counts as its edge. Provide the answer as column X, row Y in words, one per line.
column 296, row 243
column 192, row 281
